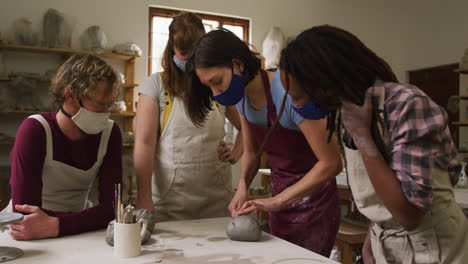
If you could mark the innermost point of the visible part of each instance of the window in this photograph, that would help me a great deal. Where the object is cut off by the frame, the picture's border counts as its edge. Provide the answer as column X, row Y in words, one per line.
column 160, row 19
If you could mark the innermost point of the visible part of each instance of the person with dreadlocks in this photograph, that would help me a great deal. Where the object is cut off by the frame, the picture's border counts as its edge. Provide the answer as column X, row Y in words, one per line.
column 401, row 161
column 183, row 171
column 304, row 207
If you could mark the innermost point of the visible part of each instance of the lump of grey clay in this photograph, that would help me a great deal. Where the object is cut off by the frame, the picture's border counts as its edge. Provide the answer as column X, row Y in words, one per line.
column 244, row 228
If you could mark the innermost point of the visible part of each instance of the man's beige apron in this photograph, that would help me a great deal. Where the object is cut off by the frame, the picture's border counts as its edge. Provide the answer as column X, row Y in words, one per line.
column 442, row 237
column 189, row 182
column 66, row 188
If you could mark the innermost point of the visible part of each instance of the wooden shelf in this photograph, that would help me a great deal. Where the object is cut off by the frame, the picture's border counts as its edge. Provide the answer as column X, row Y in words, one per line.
column 26, row 112
column 462, row 70
column 125, row 145
column 65, row 51
column 7, row 79
column 460, row 123
column 461, row 97
column 124, row 114
column 129, row 85
column 462, row 150
column 20, row 112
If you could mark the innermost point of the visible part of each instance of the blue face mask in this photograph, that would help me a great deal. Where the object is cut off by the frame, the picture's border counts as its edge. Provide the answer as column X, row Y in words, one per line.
column 179, row 63
column 234, row 92
column 311, row 111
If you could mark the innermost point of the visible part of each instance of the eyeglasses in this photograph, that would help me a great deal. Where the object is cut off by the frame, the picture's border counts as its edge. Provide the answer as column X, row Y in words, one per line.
column 100, row 105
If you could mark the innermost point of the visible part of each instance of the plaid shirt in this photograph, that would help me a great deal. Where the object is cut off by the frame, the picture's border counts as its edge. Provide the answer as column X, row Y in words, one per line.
column 420, row 139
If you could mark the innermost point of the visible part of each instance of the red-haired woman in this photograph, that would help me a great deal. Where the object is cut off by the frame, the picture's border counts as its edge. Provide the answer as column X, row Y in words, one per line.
column 304, row 206
column 401, row 161
column 183, row 171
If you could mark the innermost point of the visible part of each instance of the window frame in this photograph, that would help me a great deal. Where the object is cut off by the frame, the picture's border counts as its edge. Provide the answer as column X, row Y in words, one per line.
column 168, row 13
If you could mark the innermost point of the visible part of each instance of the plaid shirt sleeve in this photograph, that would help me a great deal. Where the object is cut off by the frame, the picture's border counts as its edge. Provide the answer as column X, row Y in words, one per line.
column 421, row 140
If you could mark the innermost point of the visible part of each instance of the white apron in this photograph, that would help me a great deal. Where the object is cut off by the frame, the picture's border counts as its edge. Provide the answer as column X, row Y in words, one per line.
column 189, row 182
column 442, row 237
column 66, row 188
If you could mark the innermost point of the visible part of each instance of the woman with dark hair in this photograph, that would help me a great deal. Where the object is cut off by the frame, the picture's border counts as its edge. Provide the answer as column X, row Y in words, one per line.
column 400, row 159
column 304, row 204
column 183, row 171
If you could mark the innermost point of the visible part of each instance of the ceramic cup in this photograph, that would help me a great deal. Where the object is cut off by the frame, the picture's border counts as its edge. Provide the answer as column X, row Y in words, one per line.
column 127, row 238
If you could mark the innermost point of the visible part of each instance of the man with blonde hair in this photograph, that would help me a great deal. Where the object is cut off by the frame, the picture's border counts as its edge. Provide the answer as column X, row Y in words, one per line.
column 61, row 158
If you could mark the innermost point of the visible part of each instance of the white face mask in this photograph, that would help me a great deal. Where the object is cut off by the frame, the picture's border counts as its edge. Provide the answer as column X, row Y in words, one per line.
column 90, row 122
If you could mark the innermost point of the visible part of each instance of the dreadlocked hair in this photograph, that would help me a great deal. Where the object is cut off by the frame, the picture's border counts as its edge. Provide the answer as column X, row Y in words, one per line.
column 331, row 64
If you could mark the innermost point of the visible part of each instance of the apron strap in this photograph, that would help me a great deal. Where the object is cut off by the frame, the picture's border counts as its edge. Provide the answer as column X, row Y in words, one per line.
column 271, row 114
column 271, row 109
column 45, row 124
column 102, row 151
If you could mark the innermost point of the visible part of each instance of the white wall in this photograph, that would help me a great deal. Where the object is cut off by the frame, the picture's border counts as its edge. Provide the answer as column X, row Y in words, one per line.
column 124, row 20
column 407, row 34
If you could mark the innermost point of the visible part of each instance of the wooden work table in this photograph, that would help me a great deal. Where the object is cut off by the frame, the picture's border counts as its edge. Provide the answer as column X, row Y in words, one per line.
column 197, row 241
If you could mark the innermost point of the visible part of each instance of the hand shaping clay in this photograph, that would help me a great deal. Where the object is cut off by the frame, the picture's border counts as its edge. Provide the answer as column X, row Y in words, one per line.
column 244, row 228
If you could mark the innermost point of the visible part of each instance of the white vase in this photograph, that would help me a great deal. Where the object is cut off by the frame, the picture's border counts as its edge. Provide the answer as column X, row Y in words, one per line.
column 463, row 181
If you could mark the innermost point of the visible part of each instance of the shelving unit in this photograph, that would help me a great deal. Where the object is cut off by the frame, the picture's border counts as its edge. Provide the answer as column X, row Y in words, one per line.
column 461, row 123
column 127, row 89
column 65, row 53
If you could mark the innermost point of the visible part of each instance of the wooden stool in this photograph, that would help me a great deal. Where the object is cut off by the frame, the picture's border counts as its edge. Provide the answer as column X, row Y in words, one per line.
column 350, row 236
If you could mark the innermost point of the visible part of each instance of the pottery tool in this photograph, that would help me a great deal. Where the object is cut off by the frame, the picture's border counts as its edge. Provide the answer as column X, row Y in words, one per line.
column 119, row 204
column 123, row 214
column 116, row 213
column 129, row 215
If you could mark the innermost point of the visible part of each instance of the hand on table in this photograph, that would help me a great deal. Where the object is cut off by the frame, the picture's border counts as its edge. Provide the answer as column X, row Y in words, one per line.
column 36, row 225
column 225, row 153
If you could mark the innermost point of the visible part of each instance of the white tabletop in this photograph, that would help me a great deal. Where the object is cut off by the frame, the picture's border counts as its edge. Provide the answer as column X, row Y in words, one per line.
column 196, row 241
column 461, row 196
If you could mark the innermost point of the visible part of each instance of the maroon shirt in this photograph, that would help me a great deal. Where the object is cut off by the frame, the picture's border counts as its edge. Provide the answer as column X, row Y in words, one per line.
column 27, row 161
